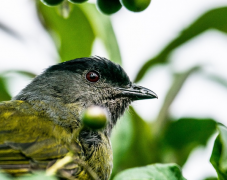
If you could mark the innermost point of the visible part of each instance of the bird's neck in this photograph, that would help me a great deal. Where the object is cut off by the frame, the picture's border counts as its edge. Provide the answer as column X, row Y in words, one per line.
column 116, row 109
column 69, row 114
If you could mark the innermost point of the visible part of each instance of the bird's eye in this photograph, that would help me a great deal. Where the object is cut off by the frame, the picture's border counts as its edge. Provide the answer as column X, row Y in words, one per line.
column 92, row 76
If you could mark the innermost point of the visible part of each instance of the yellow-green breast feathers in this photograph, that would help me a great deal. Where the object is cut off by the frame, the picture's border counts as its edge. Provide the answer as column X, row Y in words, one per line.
column 25, row 134
column 30, row 140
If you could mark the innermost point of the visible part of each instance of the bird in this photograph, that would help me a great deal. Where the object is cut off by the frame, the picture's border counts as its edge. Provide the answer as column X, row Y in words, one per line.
column 37, row 125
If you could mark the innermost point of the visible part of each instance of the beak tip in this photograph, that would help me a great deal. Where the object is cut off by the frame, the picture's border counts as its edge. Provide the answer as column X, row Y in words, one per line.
column 154, row 95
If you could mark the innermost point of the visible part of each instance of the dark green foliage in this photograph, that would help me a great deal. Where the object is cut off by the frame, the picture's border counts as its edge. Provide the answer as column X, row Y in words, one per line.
column 189, row 130
column 108, row 6
column 4, row 94
column 136, row 138
column 173, row 143
column 183, row 135
column 211, row 178
column 219, row 154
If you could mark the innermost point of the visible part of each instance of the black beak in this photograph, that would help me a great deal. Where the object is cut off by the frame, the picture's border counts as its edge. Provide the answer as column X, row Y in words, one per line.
column 137, row 93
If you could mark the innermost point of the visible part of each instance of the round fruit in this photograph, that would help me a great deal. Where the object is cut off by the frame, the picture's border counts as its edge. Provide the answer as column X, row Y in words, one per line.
column 135, row 5
column 52, row 2
column 109, row 6
column 77, row 1
column 95, row 117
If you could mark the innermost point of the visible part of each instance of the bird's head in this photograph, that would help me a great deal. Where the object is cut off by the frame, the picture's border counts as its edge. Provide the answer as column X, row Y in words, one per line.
column 87, row 82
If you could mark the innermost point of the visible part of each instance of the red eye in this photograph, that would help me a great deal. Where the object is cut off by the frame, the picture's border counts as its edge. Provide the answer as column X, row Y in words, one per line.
column 92, row 76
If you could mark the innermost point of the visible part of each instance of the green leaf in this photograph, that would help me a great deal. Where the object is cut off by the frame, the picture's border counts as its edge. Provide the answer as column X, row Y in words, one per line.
column 4, row 176
column 73, row 36
column 223, row 138
column 219, row 154
column 135, row 139
column 102, row 28
column 152, row 172
column 38, row 176
column 4, row 94
column 215, row 19
column 185, row 134
column 211, row 178
column 173, row 143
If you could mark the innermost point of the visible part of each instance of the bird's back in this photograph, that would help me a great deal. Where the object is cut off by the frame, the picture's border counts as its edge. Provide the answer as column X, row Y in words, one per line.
column 27, row 139
column 30, row 141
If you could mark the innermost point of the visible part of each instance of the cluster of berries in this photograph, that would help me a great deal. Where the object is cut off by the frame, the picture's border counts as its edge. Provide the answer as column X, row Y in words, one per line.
column 109, row 7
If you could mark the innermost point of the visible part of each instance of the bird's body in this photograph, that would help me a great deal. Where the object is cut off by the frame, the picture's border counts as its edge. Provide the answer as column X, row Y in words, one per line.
column 37, row 126
column 25, row 147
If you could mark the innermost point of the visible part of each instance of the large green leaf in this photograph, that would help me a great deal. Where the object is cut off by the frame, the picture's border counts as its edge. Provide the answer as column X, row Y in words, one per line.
column 185, row 134
column 152, row 172
column 78, row 32
column 132, row 138
column 215, row 19
column 219, row 154
column 134, row 144
column 73, row 36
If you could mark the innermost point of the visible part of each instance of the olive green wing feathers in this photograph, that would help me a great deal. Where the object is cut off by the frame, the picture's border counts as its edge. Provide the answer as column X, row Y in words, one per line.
column 28, row 139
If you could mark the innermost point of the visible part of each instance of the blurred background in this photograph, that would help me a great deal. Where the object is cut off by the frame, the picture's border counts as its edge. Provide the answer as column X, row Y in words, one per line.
column 176, row 48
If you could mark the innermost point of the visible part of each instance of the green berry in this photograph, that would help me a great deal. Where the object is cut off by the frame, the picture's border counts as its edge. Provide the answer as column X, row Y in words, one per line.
column 77, row 1
column 109, row 6
column 52, row 2
column 95, row 117
column 135, row 5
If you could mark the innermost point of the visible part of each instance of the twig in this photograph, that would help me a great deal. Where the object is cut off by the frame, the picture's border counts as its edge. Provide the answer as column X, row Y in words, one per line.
column 59, row 164
column 92, row 174
column 69, row 158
